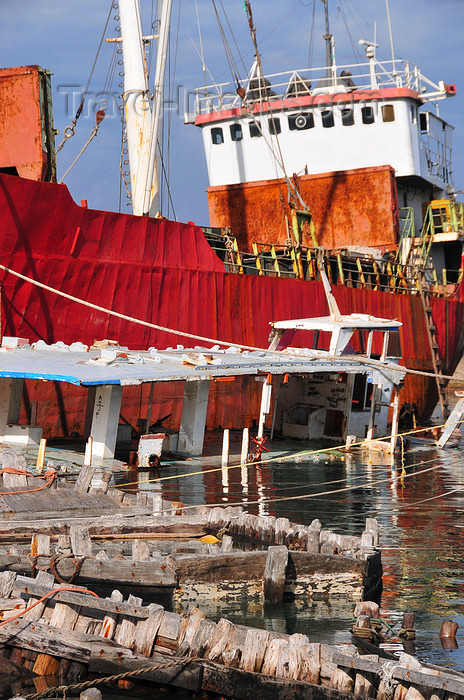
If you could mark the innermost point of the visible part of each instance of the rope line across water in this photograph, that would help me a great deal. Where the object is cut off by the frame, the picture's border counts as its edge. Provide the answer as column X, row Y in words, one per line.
column 111, row 679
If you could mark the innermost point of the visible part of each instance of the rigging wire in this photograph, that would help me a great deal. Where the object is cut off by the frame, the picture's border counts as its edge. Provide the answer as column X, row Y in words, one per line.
column 227, row 50
column 233, row 36
column 69, row 130
column 311, row 37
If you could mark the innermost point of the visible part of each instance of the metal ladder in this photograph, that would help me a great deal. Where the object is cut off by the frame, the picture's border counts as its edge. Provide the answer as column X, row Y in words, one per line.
column 434, row 347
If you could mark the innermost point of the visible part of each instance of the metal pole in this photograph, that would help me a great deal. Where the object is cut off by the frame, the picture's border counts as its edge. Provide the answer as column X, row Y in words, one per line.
column 150, row 401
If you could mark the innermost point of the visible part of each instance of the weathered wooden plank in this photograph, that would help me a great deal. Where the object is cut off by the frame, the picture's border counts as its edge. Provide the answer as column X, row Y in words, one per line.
column 108, row 627
column 146, row 631
column 274, row 573
column 125, row 636
column 81, row 543
column 142, row 573
column 25, row 585
column 254, row 649
column 84, row 479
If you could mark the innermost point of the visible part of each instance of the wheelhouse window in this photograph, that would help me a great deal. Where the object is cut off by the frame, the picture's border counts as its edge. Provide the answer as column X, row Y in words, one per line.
column 255, row 129
column 388, row 113
column 367, row 115
column 327, row 118
column 301, row 121
column 274, row 126
column 236, row 133
column 347, row 117
column 217, row 135
column 423, row 121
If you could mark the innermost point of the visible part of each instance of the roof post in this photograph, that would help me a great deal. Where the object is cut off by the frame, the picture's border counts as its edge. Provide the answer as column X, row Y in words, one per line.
column 193, row 419
column 105, row 420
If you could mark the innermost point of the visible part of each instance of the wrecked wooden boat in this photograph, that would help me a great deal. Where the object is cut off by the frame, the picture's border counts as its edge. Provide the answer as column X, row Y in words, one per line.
column 67, row 631
column 81, row 534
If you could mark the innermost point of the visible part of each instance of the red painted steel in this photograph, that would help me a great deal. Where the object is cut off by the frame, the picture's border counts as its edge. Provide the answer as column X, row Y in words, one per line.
column 358, row 207
column 165, row 272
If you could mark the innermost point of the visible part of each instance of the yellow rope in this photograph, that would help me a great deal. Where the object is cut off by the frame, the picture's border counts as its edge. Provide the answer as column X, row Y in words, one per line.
column 282, row 458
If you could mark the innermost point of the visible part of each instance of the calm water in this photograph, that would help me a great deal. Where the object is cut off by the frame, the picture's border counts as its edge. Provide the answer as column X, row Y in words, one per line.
column 419, row 505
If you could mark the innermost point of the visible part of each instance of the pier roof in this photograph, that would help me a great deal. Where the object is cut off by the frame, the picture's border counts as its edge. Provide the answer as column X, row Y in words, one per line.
column 119, row 365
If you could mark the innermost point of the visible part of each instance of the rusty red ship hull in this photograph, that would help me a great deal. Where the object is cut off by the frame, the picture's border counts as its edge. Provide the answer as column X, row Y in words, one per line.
column 166, row 273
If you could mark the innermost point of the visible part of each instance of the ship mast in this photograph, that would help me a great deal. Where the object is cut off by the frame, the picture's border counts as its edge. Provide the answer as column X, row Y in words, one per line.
column 151, row 203
column 136, row 100
column 143, row 124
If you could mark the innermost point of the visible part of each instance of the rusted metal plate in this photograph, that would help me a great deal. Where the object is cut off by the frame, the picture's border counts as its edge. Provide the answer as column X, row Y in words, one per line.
column 22, row 129
column 351, row 207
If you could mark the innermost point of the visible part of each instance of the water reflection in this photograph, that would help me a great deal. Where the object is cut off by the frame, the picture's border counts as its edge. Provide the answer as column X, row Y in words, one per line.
column 418, row 502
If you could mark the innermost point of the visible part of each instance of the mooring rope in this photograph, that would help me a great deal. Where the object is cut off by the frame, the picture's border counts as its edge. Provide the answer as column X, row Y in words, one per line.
column 179, row 661
column 366, row 361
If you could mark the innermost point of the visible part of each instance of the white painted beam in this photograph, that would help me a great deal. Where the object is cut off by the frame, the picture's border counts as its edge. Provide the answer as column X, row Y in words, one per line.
column 105, row 420
column 193, row 419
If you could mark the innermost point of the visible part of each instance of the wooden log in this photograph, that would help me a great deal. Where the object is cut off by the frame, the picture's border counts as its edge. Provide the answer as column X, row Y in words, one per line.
column 276, row 658
column 125, row 636
column 142, row 498
column 227, row 543
column 282, row 527
column 417, row 693
column 140, row 550
column 24, row 585
column 64, row 545
column 408, row 620
column 305, row 661
column 189, row 623
column 146, row 631
column 64, row 617
column 243, row 685
column 202, row 637
column 84, row 479
column 157, row 503
column 7, row 579
column 266, row 528
column 81, row 543
column 274, row 573
column 150, row 573
column 448, row 629
column 364, row 685
column 109, row 621
column 46, row 580
column 343, row 679
column 40, row 545
column 219, row 640
column 367, row 607
column 314, row 544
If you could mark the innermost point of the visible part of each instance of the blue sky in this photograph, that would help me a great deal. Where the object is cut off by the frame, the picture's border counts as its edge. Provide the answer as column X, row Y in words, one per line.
column 64, row 36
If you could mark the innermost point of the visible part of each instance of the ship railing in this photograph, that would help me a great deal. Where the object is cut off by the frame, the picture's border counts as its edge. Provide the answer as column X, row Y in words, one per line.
column 293, row 85
column 342, row 268
column 407, row 234
column 442, row 216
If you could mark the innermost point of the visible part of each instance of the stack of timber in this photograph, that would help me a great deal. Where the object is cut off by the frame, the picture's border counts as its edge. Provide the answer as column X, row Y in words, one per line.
column 72, row 632
column 158, row 551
